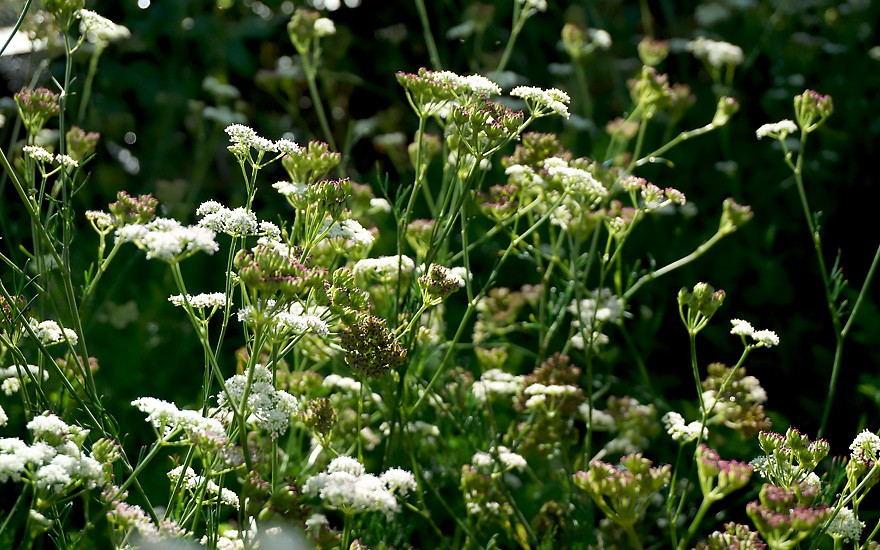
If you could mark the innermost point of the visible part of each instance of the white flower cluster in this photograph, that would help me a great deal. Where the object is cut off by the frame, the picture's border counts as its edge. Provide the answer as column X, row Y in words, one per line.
column 266, row 408
column 600, row 420
column 542, row 102
column 324, row 27
column 539, row 394
column 54, row 462
column 591, row 314
column 472, row 84
column 197, row 485
column 4, row 418
column 100, row 30
column 38, row 153
column 244, row 138
column 345, row 485
column 777, row 130
column 168, row 239
column 496, row 382
column 601, row 307
column 600, row 38
column 581, row 193
column 200, row 301
column 384, row 268
column 13, row 376
column 846, row 525
column 343, row 383
column 679, row 431
column 350, row 231
column 50, row 332
column 133, row 519
column 168, row 419
column 291, row 189
column 865, row 447
column 498, row 458
column 762, row 338
column 238, row 222
column 715, row 53
column 297, row 320
column 102, row 221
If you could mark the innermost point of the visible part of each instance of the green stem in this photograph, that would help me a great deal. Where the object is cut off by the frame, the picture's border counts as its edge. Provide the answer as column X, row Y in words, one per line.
column 429, row 36
column 699, row 251
column 519, row 20
column 311, row 77
column 704, row 507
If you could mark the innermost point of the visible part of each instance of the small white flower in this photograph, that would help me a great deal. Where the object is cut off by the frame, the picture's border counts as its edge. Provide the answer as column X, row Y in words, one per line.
column 600, row 38
column 765, row 338
column 399, row 481
column 50, row 333
column 347, row 385
column 777, row 130
column 679, row 431
column 324, row 27
column 385, row 269
column 479, row 84
column 316, row 521
column 66, row 161
column 99, row 29
column 865, row 447
column 346, row 464
column 543, row 102
column 200, row 301
column 38, row 153
column 715, row 53
column 495, row 382
column 380, row 205
column 741, row 328
column 846, row 526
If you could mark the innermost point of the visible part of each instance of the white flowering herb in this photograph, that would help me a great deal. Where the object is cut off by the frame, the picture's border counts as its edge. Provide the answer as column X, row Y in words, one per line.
column 100, row 30
column 50, row 333
column 170, row 421
column 846, row 526
column 346, row 486
column 266, row 408
column 777, row 130
column 761, row 338
column 717, row 54
column 167, row 239
column 542, row 102
column 865, row 447
column 495, row 382
column 681, row 431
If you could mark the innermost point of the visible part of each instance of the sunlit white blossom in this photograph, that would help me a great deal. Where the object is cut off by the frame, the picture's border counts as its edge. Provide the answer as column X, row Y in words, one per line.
column 777, row 130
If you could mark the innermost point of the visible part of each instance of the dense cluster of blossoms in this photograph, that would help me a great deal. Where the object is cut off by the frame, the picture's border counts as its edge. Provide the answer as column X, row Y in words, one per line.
column 345, row 485
column 265, row 407
column 55, row 461
column 167, row 239
column 170, row 420
column 50, row 332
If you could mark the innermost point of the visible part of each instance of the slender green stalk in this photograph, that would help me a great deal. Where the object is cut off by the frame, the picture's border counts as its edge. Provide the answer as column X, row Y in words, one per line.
column 429, row 36
column 311, row 73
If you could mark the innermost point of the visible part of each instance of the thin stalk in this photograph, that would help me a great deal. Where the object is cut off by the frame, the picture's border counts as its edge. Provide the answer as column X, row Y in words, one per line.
column 429, row 36
column 519, row 20
column 311, row 77
column 699, row 251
